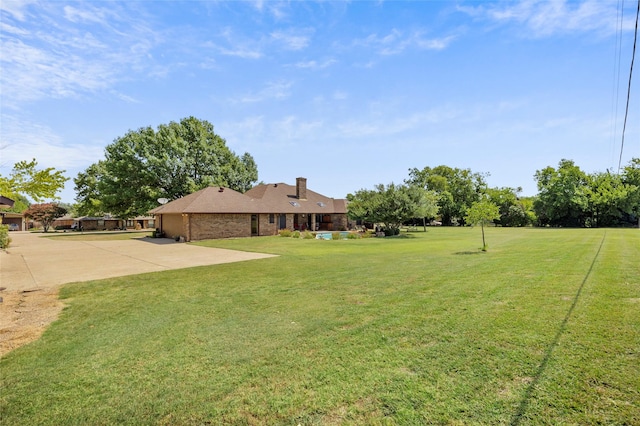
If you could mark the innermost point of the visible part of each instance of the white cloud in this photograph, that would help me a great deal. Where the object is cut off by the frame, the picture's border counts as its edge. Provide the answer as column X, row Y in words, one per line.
column 46, row 57
column 396, row 42
column 273, row 91
column 315, row 65
column 544, row 18
column 291, row 40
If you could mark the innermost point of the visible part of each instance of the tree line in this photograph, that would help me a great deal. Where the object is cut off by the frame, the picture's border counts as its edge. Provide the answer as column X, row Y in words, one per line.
column 567, row 197
column 182, row 157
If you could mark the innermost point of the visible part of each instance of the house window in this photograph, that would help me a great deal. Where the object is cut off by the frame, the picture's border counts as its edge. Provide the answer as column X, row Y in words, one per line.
column 272, row 218
column 294, row 203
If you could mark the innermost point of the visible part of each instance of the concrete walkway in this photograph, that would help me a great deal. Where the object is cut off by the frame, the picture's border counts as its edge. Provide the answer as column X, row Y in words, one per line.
column 32, row 261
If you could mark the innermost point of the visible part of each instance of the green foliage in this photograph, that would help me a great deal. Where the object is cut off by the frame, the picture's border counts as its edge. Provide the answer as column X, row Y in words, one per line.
column 5, row 241
column 286, row 233
column 408, row 331
column 173, row 161
column 391, row 205
column 26, row 179
column 295, row 234
column 482, row 212
column 307, row 235
column 45, row 213
column 457, row 189
column 513, row 212
column 569, row 197
column 21, row 203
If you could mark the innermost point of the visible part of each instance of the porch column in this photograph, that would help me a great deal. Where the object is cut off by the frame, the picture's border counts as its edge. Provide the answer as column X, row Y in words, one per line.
column 313, row 221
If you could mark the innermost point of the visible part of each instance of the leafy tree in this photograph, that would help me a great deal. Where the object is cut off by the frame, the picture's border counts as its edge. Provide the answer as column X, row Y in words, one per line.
column 21, row 203
column 45, row 213
column 631, row 178
column 607, row 197
column 426, row 204
column 88, row 196
column 173, row 161
column 26, row 179
column 562, row 197
column 512, row 211
column 482, row 212
column 390, row 205
column 457, row 189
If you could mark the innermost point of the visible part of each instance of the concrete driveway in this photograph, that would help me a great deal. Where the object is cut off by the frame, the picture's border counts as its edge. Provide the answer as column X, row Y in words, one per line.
column 36, row 262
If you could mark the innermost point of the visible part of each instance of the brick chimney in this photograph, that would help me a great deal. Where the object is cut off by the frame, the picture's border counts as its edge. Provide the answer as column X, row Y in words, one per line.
column 301, row 188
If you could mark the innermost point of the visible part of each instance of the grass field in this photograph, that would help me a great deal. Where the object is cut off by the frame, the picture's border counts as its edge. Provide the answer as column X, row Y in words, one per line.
column 544, row 328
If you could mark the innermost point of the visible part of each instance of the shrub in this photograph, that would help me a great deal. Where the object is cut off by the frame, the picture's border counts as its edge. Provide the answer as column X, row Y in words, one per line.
column 353, row 236
column 336, row 236
column 308, row 235
column 295, row 234
column 4, row 237
column 285, row 232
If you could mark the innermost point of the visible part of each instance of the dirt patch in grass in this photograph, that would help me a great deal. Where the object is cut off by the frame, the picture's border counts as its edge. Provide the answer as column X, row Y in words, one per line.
column 25, row 314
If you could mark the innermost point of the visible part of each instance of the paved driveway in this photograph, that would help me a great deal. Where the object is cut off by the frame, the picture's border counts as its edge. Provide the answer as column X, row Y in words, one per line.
column 36, row 262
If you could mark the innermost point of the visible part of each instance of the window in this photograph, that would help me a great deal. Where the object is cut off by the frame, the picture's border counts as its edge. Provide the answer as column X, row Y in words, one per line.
column 321, row 204
column 272, row 218
column 294, row 203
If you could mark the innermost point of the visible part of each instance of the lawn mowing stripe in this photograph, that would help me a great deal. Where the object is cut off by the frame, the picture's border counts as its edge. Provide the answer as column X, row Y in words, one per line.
column 522, row 408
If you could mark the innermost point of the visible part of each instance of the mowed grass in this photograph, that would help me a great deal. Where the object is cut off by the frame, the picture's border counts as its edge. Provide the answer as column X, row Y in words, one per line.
column 544, row 328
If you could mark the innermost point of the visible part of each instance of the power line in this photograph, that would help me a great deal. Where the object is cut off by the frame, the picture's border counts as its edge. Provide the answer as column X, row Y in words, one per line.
column 626, row 113
column 617, row 59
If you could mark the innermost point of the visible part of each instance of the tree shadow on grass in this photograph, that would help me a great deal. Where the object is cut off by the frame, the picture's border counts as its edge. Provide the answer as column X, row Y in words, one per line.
column 528, row 395
column 464, row 253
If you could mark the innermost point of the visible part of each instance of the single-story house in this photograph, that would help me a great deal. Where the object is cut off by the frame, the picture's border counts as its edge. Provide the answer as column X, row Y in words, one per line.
column 217, row 212
column 140, row 222
column 87, row 223
column 15, row 221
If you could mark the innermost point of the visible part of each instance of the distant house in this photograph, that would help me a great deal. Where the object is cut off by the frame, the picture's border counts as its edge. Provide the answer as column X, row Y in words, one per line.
column 140, row 222
column 217, row 212
column 88, row 223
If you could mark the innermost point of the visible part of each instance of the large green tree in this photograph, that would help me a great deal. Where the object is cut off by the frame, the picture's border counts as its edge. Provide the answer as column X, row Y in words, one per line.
column 562, row 195
column 27, row 179
column 631, row 178
column 173, row 161
column 390, row 205
column 513, row 212
column 457, row 189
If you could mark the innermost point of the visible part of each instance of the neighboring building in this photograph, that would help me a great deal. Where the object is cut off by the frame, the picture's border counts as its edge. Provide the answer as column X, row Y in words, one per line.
column 15, row 221
column 140, row 222
column 216, row 212
column 87, row 223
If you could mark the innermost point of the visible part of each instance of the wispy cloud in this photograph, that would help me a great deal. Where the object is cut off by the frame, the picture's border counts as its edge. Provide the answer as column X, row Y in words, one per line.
column 544, row 18
column 292, row 39
column 272, row 91
column 315, row 65
column 396, row 42
column 23, row 139
column 86, row 51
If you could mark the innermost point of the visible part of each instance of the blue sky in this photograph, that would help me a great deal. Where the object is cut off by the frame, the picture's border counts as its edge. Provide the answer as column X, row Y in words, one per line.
column 346, row 94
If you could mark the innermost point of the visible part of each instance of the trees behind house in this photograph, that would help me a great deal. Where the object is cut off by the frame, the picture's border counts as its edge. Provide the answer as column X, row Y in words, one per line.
column 570, row 197
column 27, row 179
column 457, row 189
column 45, row 213
column 173, row 161
column 391, row 205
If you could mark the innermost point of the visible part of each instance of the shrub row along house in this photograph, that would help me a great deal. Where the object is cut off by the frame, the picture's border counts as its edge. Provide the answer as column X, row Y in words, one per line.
column 217, row 212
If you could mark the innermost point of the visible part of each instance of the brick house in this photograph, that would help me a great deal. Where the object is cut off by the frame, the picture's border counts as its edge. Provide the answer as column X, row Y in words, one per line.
column 216, row 212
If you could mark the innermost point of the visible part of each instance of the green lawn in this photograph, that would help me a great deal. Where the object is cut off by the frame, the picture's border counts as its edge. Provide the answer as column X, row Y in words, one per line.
column 544, row 328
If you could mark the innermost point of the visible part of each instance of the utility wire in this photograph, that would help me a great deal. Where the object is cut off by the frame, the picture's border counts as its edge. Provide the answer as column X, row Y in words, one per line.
column 626, row 113
column 615, row 97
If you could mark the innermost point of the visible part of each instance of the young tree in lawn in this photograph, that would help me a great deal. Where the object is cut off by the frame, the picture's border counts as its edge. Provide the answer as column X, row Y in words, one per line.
column 26, row 179
column 45, row 213
column 482, row 212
